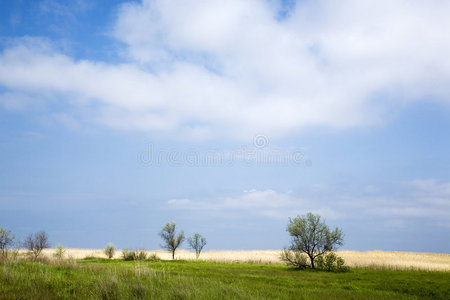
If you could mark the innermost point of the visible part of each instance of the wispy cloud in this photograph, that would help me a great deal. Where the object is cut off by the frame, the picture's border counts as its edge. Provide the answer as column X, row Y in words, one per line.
column 416, row 199
column 267, row 203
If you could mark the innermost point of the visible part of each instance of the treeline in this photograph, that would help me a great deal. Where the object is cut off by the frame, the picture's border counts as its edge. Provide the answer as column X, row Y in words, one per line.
column 312, row 244
column 39, row 241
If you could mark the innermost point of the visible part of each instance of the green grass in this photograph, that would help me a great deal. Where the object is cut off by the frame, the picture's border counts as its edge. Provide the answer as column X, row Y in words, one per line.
column 104, row 279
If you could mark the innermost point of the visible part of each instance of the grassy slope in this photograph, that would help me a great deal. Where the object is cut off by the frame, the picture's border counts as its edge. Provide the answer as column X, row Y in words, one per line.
column 97, row 278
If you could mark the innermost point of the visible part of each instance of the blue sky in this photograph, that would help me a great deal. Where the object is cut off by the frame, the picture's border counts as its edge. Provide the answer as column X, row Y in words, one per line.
column 339, row 108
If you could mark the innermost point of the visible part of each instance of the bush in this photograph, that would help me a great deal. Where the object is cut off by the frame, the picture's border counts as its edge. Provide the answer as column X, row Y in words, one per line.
column 110, row 250
column 128, row 254
column 331, row 263
column 140, row 254
column 294, row 258
column 59, row 252
column 153, row 257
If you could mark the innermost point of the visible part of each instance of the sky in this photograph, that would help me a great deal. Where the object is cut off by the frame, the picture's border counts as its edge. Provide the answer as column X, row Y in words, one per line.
column 226, row 117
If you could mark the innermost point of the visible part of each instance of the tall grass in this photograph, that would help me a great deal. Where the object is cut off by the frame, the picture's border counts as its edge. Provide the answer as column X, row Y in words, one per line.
column 117, row 279
column 369, row 259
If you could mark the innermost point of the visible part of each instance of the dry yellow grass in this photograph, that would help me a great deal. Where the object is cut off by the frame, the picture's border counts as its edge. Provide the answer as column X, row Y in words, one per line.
column 369, row 259
column 397, row 260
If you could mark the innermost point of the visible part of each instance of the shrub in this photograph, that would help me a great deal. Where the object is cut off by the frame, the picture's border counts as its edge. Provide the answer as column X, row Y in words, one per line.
column 59, row 252
column 140, row 254
column 331, row 263
column 128, row 254
column 153, row 257
column 110, row 250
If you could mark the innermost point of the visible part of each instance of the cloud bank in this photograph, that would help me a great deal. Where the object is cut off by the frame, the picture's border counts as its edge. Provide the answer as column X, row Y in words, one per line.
column 202, row 69
column 417, row 199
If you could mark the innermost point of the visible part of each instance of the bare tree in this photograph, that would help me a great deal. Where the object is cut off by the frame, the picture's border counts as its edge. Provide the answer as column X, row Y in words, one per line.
column 6, row 239
column 311, row 236
column 197, row 242
column 171, row 242
column 36, row 243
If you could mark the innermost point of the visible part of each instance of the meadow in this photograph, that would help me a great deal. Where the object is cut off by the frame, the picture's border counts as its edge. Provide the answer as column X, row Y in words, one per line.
column 223, row 275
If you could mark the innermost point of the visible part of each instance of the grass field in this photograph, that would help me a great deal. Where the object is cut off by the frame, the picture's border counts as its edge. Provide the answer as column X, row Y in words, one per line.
column 225, row 274
column 367, row 259
column 114, row 279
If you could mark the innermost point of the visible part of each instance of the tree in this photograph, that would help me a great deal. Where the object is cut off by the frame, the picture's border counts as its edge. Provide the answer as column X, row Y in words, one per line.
column 59, row 252
column 110, row 250
column 171, row 242
column 197, row 242
column 311, row 236
column 6, row 239
column 36, row 243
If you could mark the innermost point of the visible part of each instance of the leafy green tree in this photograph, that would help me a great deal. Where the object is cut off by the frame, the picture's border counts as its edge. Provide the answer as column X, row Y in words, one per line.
column 171, row 240
column 197, row 242
column 311, row 236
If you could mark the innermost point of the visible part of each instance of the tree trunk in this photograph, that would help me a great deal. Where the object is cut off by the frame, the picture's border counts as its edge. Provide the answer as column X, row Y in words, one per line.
column 173, row 255
column 312, row 262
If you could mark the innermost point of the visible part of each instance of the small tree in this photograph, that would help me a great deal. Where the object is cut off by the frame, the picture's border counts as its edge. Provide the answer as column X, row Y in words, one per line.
column 110, row 250
column 171, row 242
column 59, row 252
column 197, row 242
column 6, row 239
column 36, row 243
column 311, row 236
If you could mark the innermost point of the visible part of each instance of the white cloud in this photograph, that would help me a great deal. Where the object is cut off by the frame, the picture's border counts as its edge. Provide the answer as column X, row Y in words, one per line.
column 419, row 199
column 230, row 68
column 416, row 199
column 267, row 203
column 16, row 101
column 431, row 187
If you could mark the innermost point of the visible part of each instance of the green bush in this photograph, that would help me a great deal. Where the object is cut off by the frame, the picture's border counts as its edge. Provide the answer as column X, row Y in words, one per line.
column 110, row 250
column 153, row 257
column 59, row 252
column 128, row 254
column 331, row 263
column 140, row 254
